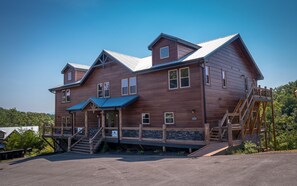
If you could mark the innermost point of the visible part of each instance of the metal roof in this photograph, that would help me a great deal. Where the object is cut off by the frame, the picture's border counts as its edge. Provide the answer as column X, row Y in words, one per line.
column 76, row 66
column 135, row 64
column 9, row 130
column 104, row 103
column 173, row 38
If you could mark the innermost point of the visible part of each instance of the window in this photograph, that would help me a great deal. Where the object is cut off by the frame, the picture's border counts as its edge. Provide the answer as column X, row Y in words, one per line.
column 145, row 118
column 224, row 80
column 68, row 95
column 124, row 87
column 106, row 89
column 132, row 85
column 65, row 122
column 69, row 76
column 207, row 75
column 164, row 52
column 173, row 76
column 184, row 77
column 63, row 96
column 169, row 118
column 100, row 90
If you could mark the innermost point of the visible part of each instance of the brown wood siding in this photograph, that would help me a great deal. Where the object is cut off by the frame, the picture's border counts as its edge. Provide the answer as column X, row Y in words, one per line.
column 155, row 98
column 183, row 50
column 156, row 51
column 79, row 74
column 218, row 99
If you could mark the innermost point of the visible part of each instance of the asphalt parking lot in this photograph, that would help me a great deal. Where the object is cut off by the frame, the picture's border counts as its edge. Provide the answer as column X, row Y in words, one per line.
column 100, row 169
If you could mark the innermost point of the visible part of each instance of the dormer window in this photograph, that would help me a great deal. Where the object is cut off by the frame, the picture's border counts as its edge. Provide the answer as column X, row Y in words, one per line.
column 164, row 52
column 69, row 76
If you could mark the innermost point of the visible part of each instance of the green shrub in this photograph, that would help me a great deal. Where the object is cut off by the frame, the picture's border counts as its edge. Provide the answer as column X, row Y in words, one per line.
column 250, row 147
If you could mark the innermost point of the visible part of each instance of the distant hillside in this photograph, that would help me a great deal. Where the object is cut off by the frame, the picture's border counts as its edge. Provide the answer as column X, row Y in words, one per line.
column 15, row 118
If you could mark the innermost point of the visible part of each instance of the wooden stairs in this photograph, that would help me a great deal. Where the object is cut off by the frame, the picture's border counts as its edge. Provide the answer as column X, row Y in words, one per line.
column 86, row 144
column 246, row 119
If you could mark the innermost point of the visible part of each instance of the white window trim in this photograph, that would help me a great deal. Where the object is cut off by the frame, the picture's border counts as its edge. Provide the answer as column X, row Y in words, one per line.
column 225, row 74
column 66, row 95
column 142, row 114
column 164, row 56
column 130, row 85
column 176, row 79
column 101, row 90
column 165, row 118
column 63, row 97
column 104, row 89
column 127, row 87
column 208, row 75
column 181, row 77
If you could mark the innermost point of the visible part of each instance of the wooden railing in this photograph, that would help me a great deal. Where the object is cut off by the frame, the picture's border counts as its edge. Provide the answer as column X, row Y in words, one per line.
column 81, row 132
column 160, row 134
column 59, row 131
column 98, row 137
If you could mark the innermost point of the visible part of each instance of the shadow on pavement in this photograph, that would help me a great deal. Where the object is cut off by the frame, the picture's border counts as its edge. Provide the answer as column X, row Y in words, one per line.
column 77, row 156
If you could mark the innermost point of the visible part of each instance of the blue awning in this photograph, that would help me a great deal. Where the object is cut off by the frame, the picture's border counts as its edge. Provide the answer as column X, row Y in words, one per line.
column 104, row 103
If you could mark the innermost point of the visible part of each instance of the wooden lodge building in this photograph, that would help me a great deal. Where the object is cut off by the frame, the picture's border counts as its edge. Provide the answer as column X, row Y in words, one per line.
column 183, row 95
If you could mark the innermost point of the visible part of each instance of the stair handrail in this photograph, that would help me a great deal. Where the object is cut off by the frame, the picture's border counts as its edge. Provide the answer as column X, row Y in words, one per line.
column 247, row 101
column 224, row 118
column 91, row 140
column 81, row 138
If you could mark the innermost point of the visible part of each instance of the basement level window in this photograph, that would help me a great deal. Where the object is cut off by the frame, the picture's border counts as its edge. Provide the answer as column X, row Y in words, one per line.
column 169, row 118
column 145, row 118
column 164, row 52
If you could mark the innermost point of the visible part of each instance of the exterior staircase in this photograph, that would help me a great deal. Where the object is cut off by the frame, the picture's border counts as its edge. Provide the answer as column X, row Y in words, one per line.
column 86, row 144
column 246, row 117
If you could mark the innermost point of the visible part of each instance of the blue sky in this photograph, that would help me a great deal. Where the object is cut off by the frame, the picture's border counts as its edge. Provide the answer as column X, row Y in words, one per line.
column 37, row 38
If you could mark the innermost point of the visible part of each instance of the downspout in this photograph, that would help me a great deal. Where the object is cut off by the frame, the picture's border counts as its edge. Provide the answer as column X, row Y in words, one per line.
column 203, row 89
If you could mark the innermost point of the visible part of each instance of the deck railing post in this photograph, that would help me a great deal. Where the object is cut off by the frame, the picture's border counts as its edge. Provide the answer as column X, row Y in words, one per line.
column 206, row 133
column 52, row 130
column 220, row 130
column 140, row 132
column 230, row 137
column 69, row 144
column 164, row 133
column 103, row 123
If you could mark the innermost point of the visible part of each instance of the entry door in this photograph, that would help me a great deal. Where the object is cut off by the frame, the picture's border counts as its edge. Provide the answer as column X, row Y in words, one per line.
column 111, row 118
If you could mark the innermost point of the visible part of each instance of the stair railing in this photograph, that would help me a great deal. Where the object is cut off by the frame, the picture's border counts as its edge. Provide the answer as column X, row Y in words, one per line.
column 245, row 108
column 71, row 137
column 98, row 135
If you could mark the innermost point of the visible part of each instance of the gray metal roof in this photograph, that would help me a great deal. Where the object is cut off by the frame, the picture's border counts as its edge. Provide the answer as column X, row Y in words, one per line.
column 136, row 64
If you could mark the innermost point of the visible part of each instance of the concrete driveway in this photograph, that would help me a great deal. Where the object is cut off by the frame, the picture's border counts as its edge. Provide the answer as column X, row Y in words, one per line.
column 99, row 169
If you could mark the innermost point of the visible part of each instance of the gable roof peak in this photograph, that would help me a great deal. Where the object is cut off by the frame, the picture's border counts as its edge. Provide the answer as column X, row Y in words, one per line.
column 75, row 66
column 173, row 38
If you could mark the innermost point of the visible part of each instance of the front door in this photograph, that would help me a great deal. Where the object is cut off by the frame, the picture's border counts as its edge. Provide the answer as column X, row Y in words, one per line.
column 111, row 123
column 111, row 118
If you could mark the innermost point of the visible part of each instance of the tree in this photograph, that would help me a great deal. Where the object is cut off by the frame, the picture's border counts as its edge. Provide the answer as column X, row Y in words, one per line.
column 24, row 140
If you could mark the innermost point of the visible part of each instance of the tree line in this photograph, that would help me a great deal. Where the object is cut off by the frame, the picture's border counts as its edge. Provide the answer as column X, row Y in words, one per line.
column 285, row 107
column 14, row 118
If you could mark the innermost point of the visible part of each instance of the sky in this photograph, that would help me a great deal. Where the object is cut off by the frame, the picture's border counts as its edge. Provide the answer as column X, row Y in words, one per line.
column 38, row 38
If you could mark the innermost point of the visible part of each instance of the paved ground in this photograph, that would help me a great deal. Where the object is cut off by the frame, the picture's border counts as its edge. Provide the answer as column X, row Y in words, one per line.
column 77, row 169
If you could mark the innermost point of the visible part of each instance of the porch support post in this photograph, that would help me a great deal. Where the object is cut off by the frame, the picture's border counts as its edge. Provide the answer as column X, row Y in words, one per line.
column 120, row 123
column 206, row 133
column 86, row 123
column 230, row 135
column 103, row 123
